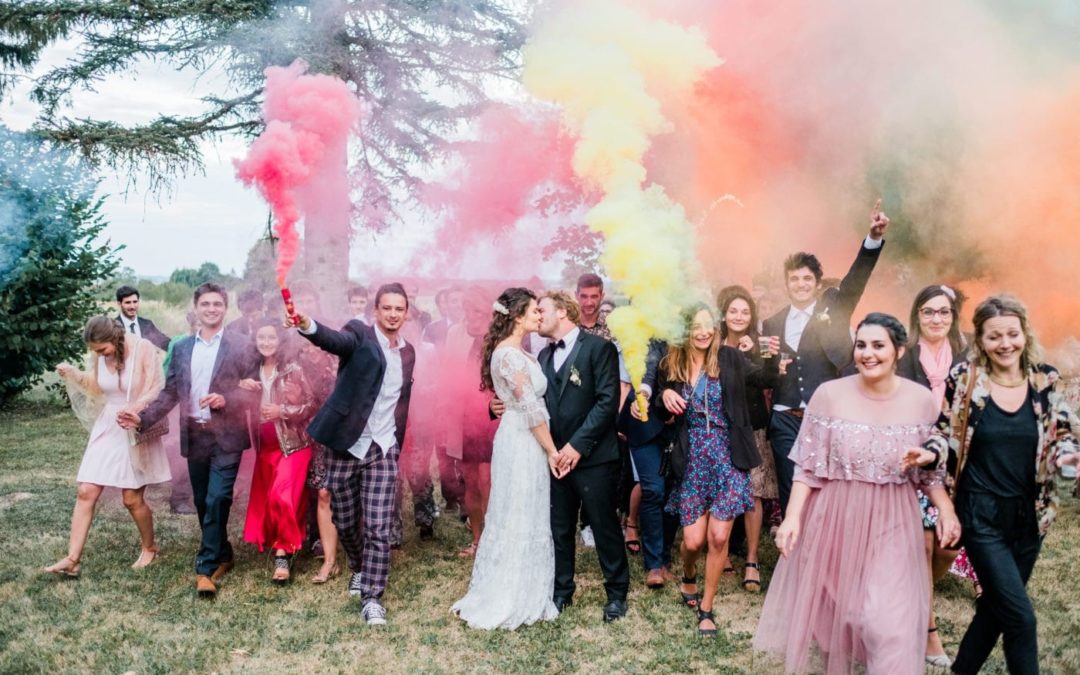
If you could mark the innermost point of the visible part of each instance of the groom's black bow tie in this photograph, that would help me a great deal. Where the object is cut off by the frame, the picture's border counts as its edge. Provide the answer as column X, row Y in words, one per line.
column 558, row 344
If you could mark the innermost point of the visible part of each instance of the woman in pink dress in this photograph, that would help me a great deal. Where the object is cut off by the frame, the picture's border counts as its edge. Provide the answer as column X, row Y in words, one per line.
column 124, row 373
column 277, row 510
column 851, row 588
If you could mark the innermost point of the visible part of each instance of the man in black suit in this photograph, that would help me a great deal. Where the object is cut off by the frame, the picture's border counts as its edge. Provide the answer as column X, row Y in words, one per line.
column 127, row 298
column 816, row 330
column 203, row 378
column 582, row 398
column 363, row 424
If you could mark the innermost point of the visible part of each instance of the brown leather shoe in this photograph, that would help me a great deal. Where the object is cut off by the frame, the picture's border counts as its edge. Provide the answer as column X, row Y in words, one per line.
column 205, row 586
column 220, row 572
column 655, row 579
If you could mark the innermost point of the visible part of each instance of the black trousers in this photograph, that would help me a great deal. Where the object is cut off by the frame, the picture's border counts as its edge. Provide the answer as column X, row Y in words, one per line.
column 783, row 430
column 1002, row 541
column 594, row 491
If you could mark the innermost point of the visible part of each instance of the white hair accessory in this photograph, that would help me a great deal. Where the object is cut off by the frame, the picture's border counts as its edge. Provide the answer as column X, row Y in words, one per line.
column 949, row 292
column 498, row 307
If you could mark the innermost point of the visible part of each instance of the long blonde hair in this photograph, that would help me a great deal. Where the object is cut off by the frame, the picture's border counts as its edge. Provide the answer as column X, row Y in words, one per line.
column 678, row 364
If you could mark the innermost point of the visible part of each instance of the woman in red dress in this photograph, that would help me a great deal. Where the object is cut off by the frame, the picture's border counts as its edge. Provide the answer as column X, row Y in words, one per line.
column 276, row 515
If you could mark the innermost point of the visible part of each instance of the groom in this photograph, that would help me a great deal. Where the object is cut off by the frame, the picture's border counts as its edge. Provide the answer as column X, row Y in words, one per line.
column 582, row 398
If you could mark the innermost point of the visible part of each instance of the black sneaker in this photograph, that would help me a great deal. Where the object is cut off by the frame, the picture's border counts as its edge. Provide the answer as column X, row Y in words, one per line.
column 427, row 532
column 374, row 613
column 354, row 584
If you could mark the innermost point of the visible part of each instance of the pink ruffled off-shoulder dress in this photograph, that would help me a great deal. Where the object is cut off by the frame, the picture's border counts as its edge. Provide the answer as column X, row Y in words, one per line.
column 853, row 594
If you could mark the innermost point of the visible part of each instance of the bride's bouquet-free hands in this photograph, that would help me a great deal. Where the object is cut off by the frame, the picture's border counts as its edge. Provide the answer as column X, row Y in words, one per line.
column 555, row 464
column 568, row 460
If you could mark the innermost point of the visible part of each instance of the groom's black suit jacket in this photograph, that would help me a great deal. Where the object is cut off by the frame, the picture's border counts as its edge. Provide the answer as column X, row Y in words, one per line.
column 583, row 397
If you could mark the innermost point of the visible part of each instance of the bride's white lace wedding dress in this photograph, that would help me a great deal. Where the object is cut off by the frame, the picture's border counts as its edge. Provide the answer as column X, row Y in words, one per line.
column 514, row 571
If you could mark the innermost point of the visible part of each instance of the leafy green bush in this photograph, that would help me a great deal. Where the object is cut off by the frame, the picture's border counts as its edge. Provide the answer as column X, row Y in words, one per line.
column 50, row 261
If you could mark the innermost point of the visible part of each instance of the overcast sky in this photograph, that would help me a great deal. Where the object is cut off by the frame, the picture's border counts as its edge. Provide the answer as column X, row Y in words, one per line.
column 209, row 217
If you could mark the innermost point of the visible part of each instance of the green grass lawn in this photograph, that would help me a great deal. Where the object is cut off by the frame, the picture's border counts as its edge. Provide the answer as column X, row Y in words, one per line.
column 117, row 620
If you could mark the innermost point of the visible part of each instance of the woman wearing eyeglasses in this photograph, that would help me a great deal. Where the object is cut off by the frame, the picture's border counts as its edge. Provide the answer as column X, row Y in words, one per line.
column 703, row 388
column 935, row 346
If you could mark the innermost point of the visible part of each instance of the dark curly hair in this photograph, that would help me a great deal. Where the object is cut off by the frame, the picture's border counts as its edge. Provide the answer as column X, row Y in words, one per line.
column 896, row 331
column 515, row 301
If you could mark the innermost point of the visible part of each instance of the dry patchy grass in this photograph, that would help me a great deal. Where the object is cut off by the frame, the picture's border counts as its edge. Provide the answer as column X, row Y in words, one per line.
column 116, row 620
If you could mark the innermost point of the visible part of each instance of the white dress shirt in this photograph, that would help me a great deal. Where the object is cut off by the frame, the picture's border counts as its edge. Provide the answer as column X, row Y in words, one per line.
column 203, row 357
column 131, row 325
column 796, row 323
column 560, row 355
column 381, row 426
column 799, row 319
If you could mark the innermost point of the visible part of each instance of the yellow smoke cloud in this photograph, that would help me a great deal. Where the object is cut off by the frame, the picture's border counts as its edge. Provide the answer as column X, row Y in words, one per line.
column 609, row 67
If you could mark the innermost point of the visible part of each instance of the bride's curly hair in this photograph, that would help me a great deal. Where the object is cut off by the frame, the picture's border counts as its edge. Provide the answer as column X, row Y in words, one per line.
column 510, row 306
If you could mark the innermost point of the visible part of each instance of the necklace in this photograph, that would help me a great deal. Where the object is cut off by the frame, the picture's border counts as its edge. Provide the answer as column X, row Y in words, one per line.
column 1008, row 385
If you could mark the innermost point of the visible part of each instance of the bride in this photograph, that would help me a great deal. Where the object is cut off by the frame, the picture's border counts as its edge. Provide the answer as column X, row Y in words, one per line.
column 514, row 571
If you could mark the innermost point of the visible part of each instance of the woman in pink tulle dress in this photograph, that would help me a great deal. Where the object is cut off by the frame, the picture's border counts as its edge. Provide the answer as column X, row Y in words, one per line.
column 851, row 589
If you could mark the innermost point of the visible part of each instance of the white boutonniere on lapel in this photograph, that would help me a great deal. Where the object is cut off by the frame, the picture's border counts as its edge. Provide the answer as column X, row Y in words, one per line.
column 575, row 376
column 823, row 316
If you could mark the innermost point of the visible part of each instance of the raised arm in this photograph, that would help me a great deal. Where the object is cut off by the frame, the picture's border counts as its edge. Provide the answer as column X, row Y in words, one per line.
column 854, row 282
column 340, row 343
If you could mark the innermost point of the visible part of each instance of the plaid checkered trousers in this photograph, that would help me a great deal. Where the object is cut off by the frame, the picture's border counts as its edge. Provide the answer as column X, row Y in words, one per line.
column 364, row 489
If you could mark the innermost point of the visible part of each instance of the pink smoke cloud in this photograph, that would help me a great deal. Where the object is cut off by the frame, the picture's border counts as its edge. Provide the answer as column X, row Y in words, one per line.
column 299, row 163
column 518, row 164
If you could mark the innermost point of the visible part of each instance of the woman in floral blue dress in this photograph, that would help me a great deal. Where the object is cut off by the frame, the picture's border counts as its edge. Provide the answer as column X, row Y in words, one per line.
column 703, row 387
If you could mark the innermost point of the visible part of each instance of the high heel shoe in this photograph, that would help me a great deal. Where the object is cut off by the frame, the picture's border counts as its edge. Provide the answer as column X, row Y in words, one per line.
column 146, row 557
column 65, row 568
column 282, row 570
column 323, row 578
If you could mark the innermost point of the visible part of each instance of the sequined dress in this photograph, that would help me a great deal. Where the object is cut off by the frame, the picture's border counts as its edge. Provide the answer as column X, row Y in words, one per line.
column 853, row 593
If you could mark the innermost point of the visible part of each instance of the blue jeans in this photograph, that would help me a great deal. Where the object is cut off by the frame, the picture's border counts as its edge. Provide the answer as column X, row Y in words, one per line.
column 212, row 486
column 657, row 529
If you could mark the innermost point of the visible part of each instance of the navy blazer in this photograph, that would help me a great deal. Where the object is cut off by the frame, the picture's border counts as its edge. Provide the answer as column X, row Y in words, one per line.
column 825, row 348
column 149, row 331
column 361, row 367
column 235, row 361
column 583, row 410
